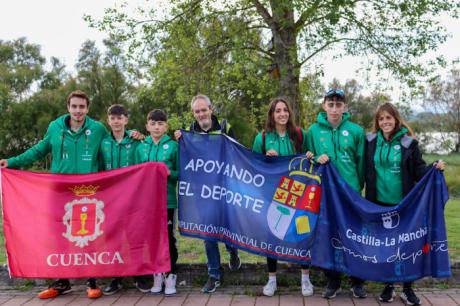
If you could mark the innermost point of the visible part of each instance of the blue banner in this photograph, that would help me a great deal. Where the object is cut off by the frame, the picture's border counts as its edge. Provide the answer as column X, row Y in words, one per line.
column 291, row 210
column 399, row 243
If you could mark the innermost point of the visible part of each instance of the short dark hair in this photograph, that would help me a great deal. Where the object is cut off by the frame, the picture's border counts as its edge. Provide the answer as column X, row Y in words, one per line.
column 157, row 115
column 117, row 110
column 78, row 94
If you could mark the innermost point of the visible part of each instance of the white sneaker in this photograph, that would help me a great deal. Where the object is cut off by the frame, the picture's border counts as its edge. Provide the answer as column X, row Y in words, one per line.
column 158, row 280
column 307, row 288
column 170, row 284
column 270, row 288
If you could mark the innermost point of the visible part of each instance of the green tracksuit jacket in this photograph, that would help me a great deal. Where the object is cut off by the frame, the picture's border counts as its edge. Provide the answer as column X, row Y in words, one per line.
column 282, row 145
column 387, row 160
column 72, row 152
column 344, row 145
column 118, row 155
column 166, row 151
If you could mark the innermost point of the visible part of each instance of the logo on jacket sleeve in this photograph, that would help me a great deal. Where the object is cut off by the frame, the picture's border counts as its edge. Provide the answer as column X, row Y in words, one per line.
column 83, row 217
column 296, row 202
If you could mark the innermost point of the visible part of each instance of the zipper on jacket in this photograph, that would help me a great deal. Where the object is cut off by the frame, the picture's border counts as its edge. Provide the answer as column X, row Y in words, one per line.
column 119, row 156
column 150, row 152
column 156, row 153
column 62, row 144
column 111, row 156
column 76, row 155
column 333, row 144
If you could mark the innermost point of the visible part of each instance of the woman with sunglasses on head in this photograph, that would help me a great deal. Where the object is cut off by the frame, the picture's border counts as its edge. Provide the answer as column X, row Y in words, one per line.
column 281, row 137
column 394, row 165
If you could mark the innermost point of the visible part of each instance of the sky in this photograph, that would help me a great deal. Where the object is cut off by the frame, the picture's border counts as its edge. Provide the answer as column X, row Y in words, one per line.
column 58, row 27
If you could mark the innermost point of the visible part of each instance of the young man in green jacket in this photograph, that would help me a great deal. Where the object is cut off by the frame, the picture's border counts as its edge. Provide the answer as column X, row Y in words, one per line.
column 159, row 147
column 334, row 138
column 118, row 151
column 117, row 148
column 73, row 140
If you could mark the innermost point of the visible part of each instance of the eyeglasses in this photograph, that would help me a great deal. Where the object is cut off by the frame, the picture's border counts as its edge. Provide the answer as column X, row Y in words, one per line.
column 335, row 92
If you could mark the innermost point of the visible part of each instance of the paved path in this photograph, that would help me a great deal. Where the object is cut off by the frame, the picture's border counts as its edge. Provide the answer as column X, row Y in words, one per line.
column 192, row 297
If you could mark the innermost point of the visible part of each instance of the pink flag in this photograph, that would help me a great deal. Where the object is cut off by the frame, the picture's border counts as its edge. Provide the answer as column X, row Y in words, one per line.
column 112, row 223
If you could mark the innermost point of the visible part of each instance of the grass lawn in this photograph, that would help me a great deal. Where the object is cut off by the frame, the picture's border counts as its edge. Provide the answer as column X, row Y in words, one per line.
column 192, row 250
column 452, row 215
column 452, row 171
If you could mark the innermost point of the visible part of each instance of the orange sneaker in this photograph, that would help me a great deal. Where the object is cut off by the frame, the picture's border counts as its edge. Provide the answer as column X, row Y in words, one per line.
column 48, row 293
column 58, row 287
column 94, row 293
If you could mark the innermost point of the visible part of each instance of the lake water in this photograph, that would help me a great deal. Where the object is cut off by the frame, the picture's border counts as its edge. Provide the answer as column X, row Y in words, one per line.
column 437, row 143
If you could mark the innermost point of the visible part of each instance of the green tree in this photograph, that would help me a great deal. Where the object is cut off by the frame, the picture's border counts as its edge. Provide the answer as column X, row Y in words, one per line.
column 103, row 76
column 392, row 33
column 21, row 65
column 25, row 122
column 56, row 77
column 237, row 81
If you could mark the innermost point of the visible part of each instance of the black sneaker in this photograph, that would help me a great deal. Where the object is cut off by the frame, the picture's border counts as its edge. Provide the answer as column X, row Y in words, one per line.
column 142, row 285
column 211, row 285
column 113, row 288
column 408, row 296
column 387, row 294
column 62, row 285
column 58, row 287
column 331, row 291
column 91, row 283
column 235, row 261
column 359, row 291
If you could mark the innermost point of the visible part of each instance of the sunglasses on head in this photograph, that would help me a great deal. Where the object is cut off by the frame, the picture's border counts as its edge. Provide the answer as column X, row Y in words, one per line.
column 333, row 91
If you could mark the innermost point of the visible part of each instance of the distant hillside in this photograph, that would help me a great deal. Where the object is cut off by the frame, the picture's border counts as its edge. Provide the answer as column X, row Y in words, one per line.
column 430, row 122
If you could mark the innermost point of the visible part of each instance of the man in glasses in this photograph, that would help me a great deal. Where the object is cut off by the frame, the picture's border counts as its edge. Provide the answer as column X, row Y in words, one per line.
column 334, row 138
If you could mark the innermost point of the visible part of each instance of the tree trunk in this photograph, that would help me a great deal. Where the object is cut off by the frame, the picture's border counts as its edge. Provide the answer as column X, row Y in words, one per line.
column 457, row 128
column 457, row 145
column 285, row 49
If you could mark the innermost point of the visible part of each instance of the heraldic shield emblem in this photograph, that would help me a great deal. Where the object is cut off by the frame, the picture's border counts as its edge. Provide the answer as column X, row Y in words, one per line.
column 83, row 217
column 294, row 209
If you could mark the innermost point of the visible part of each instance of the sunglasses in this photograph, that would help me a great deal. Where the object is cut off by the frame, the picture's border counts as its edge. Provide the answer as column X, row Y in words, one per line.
column 335, row 92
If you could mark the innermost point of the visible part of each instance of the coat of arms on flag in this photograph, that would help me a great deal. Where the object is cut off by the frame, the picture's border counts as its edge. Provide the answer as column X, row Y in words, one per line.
column 295, row 205
column 83, row 216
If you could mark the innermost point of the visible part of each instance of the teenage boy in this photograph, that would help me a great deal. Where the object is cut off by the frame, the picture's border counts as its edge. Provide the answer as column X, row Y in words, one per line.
column 118, row 150
column 73, row 141
column 334, row 138
column 159, row 147
column 206, row 122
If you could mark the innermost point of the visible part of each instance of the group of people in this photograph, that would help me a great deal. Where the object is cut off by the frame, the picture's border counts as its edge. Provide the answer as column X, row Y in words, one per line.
column 388, row 162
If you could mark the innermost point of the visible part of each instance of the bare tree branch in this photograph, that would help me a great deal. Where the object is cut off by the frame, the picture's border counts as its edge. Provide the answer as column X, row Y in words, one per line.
column 264, row 13
column 190, row 9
